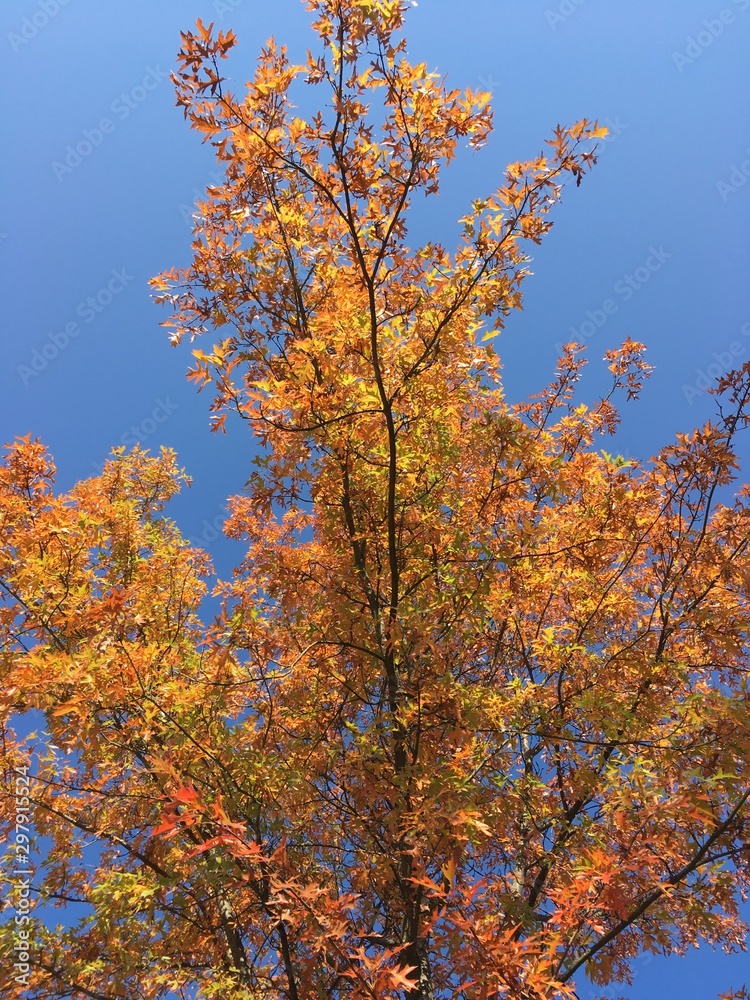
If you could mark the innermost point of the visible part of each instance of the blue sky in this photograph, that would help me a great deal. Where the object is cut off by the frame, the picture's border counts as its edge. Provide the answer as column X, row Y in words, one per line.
column 659, row 230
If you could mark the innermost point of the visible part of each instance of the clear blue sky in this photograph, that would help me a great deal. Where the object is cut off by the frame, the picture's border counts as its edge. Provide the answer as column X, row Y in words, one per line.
column 659, row 229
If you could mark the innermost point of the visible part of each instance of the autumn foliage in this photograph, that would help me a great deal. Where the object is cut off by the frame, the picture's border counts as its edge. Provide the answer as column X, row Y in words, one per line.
column 473, row 720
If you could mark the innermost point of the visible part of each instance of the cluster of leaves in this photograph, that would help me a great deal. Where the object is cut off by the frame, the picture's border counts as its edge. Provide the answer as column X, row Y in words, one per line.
column 474, row 715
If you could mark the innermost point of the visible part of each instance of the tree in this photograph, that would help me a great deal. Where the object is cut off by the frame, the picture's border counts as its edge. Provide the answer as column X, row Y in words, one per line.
column 473, row 719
